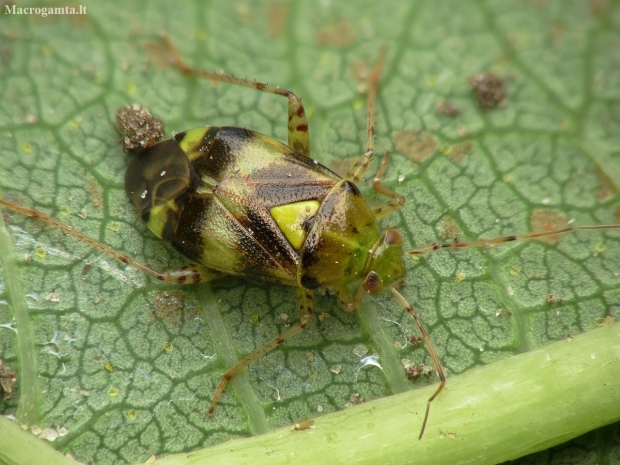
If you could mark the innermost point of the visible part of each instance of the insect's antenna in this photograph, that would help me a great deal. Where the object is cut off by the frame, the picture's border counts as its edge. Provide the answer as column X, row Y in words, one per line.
column 373, row 83
column 500, row 240
column 429, row 345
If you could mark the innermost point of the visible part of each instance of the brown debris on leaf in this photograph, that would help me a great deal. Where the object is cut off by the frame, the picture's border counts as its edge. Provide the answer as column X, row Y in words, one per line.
column 490, row 90
column 139, row 128
column 417, row 145
column 8, row 377
column 414, row 371
column 447, row 107
column 545, row 220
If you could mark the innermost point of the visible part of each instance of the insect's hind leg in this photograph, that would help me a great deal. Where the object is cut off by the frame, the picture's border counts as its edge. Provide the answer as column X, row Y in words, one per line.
column 304, row 302
column 298, row 136
column 189, row 274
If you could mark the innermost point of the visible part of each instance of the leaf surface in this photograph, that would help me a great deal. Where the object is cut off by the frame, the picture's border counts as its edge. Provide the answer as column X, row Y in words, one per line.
column 128, row 366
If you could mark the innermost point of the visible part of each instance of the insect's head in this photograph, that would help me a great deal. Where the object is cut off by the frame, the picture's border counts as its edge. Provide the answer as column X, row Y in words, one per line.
column 386, row 265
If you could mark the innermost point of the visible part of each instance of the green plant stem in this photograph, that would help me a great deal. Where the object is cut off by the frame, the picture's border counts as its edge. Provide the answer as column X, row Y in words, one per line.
column 501, row 411
column 20, row 447
column 29, row 387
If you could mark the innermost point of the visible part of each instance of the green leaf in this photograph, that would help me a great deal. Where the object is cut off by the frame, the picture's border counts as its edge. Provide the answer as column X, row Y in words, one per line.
column 125, row 368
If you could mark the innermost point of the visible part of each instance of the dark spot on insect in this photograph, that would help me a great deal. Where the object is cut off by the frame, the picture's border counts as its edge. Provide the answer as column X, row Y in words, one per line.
column 446, row 107
column 309, row 282
column 172, row 219
column 511, row 238
column 309, row 297
column 373, row 282
column 123, row 259
column 354, row 230
column 307, row 223
column 302, row 127
column 280, row 341
column 182, row 279
column 393, row 238
column 300, row 112
column 490, row 90
column 188, row 238
column 196, row 276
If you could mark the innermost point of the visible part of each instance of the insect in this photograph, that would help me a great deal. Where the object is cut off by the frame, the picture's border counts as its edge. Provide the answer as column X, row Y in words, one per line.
column 237, row 202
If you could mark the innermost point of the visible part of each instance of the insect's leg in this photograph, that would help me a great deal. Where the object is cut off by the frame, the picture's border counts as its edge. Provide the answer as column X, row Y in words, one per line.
column 188, row 274
column 429, row 345
column 348, row 301
column 397, row 201
column 361, row 165
column 500, row 240
column 304, row 301
column 298, row 137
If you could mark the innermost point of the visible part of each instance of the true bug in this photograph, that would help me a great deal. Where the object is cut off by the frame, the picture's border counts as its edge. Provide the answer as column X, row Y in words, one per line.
column 266, row 211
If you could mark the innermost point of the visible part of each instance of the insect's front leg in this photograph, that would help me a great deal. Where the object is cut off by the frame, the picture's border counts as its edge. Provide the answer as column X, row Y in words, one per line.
column 304, row 302
column 431, row 348
column 348, row 301
column 397, row 201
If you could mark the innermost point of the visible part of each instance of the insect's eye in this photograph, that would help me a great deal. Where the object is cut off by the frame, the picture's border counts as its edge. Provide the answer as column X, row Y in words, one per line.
column 393, row 238
column 373, row 282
